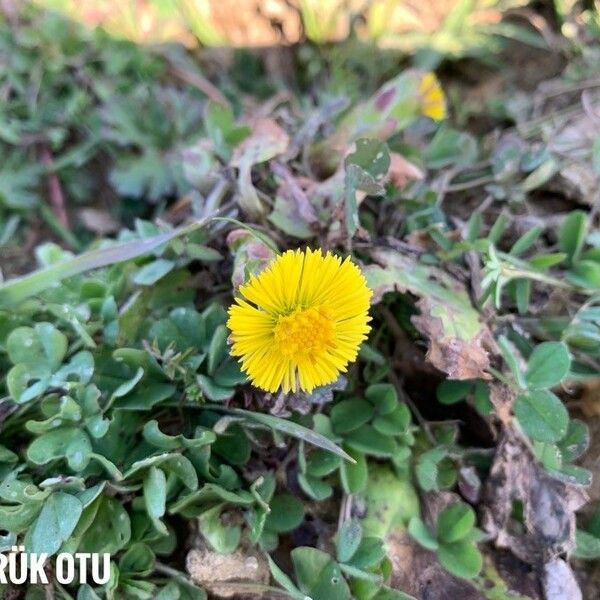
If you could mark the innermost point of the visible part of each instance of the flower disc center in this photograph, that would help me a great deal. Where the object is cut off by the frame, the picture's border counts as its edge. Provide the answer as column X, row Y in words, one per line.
column 305, row 333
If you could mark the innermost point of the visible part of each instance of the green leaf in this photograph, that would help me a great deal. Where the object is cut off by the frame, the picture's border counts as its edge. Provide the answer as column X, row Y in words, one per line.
column 383, row 397
column 365, row 170
column 455, row 523
column 391, row 500
column 208, row 495
column 223, row 538
column 572, row 233
column 212, row 390
column 331, row 584
column 233, row 445
column 587, row 546
column 542, row 415
column 387, row 593
column 354, row 476
column 427, row 468
column 309, row 563
column 451, row 391
column 462, row 559
column 498, row 228
column 420, row 532
column 522, row 294
column 585, row 273
column 540, row 176
column 370, row 552
column 548, row 364
column 69, row 442
column 110, row 530
column 321, row 463
column 348, row 539
column 526, row 241
column 85, row 521
column 545, row 261
column 153, row 435
column 16, row 290
column 217, row 349
column 348, row 415
column 154, row 271
column 42, row 345
column 450, row 147
column 155, row 496
column 7, row 456
column 359, row 574
column 512, row 360
column 315, row 488
column 575, row 442
column 394, row 423
column 287, row 512
column 55, row 523
column 137, row 561
column 318, row 575
column 293, row 429
column 574, row 475
column 369, row 441
column 284, row 581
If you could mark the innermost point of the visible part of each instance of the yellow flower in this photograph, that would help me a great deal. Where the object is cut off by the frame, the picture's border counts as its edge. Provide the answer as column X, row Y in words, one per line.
column 433, row 102
column 301, row 321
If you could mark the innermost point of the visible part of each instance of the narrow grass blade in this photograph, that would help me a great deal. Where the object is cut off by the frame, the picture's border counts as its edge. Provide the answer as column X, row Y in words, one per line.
column 20, row 288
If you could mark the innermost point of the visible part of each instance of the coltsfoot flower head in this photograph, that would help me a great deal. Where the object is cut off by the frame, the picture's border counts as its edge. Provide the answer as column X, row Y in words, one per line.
column 433, row 102
column 300, row 322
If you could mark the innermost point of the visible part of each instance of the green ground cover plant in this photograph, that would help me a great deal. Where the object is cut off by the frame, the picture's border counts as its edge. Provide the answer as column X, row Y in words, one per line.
column 136, row 203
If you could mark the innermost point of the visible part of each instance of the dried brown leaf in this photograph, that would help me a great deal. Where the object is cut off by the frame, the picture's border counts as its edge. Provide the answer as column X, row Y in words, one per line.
column 99, row 221
column 458, row 351
column 266, row 141
column 402, row 171
column 549, row 504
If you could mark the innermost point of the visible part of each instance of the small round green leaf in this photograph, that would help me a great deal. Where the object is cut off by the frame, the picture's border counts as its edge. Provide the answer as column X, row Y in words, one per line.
column 321, row 463
column 348, row 539
column 571, row 234
column 455, row 522
column 383, row 397
column 542, row 415
column 462, row 559
column 548, row 364
column 55, row 523
column 420, row 532
column 287, row 512
column 349, row 415
column 315, row 488
column 41, row 346
column 368, row 440
column 393, row 423
column 576, row 440
column 354, row 475
column 452, row 391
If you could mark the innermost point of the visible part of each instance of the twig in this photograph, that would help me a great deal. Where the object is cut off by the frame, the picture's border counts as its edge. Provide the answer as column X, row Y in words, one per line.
column 398, row 332
column 413, row 407
column 61, row 230
column 391, row 322
column 201, row 83
column 467, row 185
column 57, row 199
